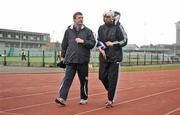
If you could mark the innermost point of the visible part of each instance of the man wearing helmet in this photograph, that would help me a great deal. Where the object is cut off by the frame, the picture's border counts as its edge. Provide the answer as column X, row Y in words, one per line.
column 112, row 35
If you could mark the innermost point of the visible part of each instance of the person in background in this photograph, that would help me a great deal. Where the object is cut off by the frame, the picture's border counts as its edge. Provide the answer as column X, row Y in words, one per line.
column 58, row 53
column 23, row 55
column 111, row 39
column 76, row 45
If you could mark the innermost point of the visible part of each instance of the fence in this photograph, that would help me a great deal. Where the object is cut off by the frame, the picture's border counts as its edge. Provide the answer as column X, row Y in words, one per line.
column 146, row 58
column 44, row 58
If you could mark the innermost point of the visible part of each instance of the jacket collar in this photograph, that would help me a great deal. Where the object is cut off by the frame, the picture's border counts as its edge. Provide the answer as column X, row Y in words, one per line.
column 71, row 26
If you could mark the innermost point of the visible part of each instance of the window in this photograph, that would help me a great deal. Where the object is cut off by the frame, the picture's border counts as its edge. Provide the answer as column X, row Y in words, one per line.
column 7, row 45
column 16, row 45
column 31, row 37
column 1, row 35
column 17, row 36
column 11, row 45
column 38, row 38
column 45, row 39
column 9, row 35
column 24, row 37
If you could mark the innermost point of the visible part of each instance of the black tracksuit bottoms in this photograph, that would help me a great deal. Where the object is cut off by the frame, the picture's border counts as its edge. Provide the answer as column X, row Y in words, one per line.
column 108, row 74
column 82, row 71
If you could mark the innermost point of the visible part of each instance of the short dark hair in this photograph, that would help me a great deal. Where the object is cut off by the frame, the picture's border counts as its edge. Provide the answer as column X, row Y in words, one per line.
column 77, row 13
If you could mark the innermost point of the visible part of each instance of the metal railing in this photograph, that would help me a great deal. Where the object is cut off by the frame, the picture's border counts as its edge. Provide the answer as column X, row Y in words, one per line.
column 46, row 58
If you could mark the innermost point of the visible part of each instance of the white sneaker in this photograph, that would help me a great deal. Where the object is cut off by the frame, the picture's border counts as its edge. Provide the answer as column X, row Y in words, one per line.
column 83, row 102
column 60, row 101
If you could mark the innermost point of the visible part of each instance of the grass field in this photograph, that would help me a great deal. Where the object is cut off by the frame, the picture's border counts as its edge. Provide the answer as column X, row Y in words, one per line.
column 151, row 68
column 31, row 59
column 95, row 69
column 145, row 68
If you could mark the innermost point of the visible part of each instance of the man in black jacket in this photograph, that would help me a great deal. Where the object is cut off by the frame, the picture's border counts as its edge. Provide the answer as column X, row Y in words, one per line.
column 111, row 39
column 76, row 45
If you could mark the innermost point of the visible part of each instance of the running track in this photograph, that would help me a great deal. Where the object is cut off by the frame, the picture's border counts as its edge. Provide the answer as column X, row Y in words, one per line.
column 140, row 93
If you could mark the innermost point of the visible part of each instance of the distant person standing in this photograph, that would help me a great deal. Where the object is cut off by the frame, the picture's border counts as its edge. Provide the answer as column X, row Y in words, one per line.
column 23, row 55
column 58, row 53
column 76, row 45
column 111, row 39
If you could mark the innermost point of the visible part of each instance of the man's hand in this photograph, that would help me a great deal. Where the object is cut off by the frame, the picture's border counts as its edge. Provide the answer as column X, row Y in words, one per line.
column 99, row 48
column 108, row 43
column 79, row 40
column 62, row 59
column 102, row 52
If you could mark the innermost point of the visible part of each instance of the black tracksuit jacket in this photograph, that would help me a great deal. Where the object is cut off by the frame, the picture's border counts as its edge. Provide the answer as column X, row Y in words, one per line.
column 77, row 53
column 113, row 33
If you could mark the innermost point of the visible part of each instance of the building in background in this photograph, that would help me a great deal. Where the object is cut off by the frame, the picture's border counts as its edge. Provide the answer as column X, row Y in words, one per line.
column 22, row 39
column 178, row 33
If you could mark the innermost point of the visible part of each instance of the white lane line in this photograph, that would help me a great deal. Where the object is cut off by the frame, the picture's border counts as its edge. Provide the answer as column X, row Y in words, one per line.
column 36, row 105
column 34, row 94
column 128, row 101
column 170, row 112
column 24, row 88
column 29, row 106
column 8, row 113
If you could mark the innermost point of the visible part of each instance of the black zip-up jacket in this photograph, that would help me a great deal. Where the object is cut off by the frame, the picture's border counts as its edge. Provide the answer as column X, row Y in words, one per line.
column 77, row 53
column 115, row 34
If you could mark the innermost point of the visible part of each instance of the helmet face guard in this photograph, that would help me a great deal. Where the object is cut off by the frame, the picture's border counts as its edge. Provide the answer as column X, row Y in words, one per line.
column 116, row 16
